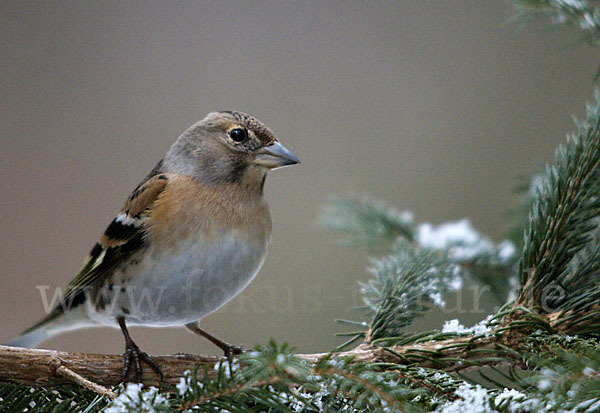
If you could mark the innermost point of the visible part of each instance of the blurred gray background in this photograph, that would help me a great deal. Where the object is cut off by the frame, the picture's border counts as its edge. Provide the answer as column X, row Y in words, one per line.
column 436, row 107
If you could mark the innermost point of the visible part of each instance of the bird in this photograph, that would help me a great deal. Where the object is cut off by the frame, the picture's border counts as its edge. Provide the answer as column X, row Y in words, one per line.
column 190, row 237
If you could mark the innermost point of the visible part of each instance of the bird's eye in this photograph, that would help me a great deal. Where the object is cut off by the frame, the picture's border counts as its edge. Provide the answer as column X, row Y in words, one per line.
column 238, row 134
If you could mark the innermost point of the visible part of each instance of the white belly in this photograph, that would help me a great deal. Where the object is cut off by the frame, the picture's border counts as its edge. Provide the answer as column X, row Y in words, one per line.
column 178, row 288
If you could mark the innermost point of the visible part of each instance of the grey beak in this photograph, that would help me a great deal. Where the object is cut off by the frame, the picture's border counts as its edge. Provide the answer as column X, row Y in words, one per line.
column 275, row 156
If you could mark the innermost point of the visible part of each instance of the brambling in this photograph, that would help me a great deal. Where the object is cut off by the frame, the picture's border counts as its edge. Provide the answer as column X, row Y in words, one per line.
column 190, row 237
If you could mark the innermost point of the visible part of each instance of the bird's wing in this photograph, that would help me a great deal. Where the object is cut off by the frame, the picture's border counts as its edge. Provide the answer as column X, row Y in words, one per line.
column 123, row 237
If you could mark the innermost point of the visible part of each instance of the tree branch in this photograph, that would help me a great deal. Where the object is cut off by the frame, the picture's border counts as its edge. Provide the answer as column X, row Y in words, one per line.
column 40, row 367
column 44, row 367
column 82, row 381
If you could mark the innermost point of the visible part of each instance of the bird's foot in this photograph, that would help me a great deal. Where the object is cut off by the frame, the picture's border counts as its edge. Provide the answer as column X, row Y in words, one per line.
column 231, row 350
column 228, row 349
column 135, row 355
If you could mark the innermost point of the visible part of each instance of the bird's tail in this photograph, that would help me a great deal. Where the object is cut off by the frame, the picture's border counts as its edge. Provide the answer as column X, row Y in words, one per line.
column 55, row 323
column 30, row 338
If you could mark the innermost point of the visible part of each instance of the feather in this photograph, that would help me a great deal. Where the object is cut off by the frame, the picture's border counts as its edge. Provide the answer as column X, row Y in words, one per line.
column 123, row 237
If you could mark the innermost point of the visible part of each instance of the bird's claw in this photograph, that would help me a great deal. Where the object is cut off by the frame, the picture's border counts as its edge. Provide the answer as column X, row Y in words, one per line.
column 231, row 350
column 133, row 353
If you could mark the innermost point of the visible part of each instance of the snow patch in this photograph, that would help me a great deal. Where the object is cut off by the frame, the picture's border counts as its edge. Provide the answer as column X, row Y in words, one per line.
column 463, row 242
column 135, row 398
column 471, row 399
column 446, row 234
column 454, row 326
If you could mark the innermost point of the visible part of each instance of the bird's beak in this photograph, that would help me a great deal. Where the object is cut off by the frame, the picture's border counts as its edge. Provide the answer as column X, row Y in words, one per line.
column 275, row 156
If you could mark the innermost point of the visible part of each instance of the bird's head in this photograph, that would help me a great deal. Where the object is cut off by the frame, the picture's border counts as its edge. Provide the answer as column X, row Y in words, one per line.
column 228, row 147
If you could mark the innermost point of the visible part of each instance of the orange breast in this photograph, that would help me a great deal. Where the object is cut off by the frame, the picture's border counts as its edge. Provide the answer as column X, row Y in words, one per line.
column 187, row 208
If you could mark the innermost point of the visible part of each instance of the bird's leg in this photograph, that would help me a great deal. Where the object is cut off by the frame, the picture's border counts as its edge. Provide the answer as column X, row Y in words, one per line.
column 228, row 349
column 133, row 353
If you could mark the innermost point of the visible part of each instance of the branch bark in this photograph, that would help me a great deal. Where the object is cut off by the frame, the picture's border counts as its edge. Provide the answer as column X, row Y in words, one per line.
column 43, row 367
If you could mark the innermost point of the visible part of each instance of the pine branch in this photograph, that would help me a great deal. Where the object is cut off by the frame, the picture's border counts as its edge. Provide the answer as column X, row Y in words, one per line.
column 561, row 255
column 405, row 284
column 580, row 15
column 20, row 398
column 417, row 365
column 444, row 351
column 373, row 225
column 366, row 223
column 42, row 367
